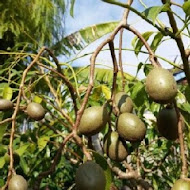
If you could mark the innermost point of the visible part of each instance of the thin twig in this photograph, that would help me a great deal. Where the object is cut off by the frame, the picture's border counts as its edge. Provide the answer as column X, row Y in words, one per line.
column 125, row 16
column 92, row 68
column 11, row 169
column 5, row 121
column 53, row 90
column 67, row 82
column 179, row 42
column 184, row 168
column 120, row 58
column 55, row 161
column 115, row 69
column 176, row 4
column 143, row 16
column 132, row 174
column 152, row 57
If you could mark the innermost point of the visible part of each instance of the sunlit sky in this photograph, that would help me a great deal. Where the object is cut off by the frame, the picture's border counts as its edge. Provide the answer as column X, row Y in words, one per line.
column 90, row 12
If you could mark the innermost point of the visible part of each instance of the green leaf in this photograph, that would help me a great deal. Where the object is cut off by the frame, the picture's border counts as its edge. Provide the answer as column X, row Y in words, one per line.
column 106, row 91
column 185, row 107
column 156, row 41
column 139, row 67
column 2, row 162
column 37, row 99
column 7, row 93
column 3, row 128
column 139, row 44
column 24, row 165
column 139, row 95
column 96, row 93
column 134, row 41
column 2, row 86
column 42, row 142
column 147, row 68
column 186, row 7
column 22, row 149
column 107, row 171
column 72, row 7
column 152, row 12
column 187, row 93
column 80, row 39
column 101, row 75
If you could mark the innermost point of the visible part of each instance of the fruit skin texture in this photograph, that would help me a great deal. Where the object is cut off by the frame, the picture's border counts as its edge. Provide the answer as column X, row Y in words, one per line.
column 123, row 102
column 35, row 111
column 181, row 184
column 130, row 127
column 17, row 182
column 167, row 123
column 5, row 105
column 114, row 147
column 93, row 120
column 161, row 85
column 90, row 176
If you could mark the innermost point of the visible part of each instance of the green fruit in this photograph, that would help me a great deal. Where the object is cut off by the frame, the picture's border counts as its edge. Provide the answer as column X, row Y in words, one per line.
column 161, row 85
column 123, row 102
column 35, row 111
column 114, row 147
column 90, row 176
column 181, row 184
column 5, row 105
column 93, row 120
column 167, row 123
column 130, row 127
column 17, row 182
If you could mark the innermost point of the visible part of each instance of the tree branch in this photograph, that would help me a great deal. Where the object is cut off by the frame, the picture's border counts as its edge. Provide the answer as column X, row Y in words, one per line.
column 152, row 57
column 179, row 42
column 11, row 169
column 184, row 168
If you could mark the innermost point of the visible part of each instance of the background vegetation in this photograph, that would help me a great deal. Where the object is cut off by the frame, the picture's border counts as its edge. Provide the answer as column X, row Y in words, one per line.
column 27, row 26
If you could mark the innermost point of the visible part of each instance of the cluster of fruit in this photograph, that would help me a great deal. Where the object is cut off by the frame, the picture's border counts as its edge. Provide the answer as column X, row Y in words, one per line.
column 34, row 111
column 162, row 88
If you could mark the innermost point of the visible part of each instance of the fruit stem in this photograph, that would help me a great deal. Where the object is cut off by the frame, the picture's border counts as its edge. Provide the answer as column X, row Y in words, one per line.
column 182, row 146
column 182, row 149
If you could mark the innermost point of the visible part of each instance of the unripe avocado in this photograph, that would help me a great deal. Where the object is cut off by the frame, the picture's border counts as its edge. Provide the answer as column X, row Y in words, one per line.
column 123, row 102
column 181, row 184
column 35, row 111
column 17, row 182
column 130, row 127
column 90, row 176
column 5, row 105
column 93, row 120
column 167, row 123
column 114, row 147
column 161, row 85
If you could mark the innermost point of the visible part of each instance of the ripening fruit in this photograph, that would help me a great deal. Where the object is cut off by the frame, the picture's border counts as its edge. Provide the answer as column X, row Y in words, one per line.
column 130, row 127
column 93, row 120
column 114, row 147
column 161, row 85
column 123, row 102
column 167, row 123
column 17, row 182
column 5, row 105
column 35, row 111
column 181, row 184
column 90, row 176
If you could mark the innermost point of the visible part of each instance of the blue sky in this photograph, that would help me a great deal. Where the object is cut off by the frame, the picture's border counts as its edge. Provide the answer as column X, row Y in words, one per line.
column 90, row 12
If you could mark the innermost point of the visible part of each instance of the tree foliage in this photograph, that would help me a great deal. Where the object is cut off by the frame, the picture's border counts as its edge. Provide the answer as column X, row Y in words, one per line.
column 61, row 90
